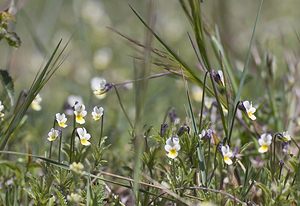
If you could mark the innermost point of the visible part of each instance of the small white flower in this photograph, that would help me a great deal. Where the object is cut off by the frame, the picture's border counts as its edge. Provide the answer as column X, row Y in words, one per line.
column 250, row 110
column 80, row 113
column 172, row 147
column 97, row 113
column 98, row 86
column 61, row 120
column 227, row 154
column 74, row 198
column 73, row 99
column 1, row 110
column 264, row 142
column 221, row 76
column 36, row 103
column 77, row 167
column 53, row 134
column 286, row 137
column 83, row 136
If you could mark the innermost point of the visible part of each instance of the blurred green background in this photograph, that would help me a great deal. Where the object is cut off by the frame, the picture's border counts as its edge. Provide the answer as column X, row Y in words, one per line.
column 94, row 50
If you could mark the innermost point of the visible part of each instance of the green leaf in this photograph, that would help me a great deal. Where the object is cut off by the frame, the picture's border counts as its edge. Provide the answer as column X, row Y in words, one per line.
column 8, row 84
column 13, row 39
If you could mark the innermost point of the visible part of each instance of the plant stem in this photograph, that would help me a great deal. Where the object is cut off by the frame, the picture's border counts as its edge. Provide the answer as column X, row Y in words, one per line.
column 101, row 129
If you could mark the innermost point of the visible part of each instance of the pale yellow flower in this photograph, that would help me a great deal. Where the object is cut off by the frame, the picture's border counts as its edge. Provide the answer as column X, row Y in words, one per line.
column 36, row 103
column 53, row 134
column 250, row 110
column 77, row 167
column 264, row 142
column 227, row 154
column 98, row 86
column 84, row 136
column 80, row 113
column 97, row 113
column 172, row 147
column 61, row 120
column 74, row 198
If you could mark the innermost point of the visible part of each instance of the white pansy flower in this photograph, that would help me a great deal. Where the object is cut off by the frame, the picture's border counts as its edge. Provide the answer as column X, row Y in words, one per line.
column 172, row 147
column 97, row 113
column 227, row 154
column 53, row 134
column 264, row 142
column 98, row 86
column 61, row 120
column 80, row 113
column 250, row 110
column 84, row 136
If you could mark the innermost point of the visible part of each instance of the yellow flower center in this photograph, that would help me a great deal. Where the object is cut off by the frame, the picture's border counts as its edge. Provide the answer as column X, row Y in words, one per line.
column 62, row 124
column 80, row 119
column 84, row 142
column 172, row 153
column 263, row 148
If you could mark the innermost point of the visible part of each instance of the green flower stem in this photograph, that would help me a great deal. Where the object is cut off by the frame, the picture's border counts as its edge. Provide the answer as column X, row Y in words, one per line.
column 202, row 102
column 219, row 104
column 101, row 129
column 122, row 107
column 72, row 144
column 50, row 150
column 232, row 123
column 59, row 147
column 51, row 143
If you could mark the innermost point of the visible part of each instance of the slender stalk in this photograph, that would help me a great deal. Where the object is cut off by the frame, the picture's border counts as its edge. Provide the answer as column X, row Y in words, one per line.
column 101, row 130
column 232, row 123
column 202, row 102
column 219, row 104
column 50, row 150
column 59, row 147
column 122, row 107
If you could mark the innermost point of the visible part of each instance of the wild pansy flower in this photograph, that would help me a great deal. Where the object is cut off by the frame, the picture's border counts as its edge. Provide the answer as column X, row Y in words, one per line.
column 1, row 110
column 219, row 77
column 227, row 154
column 206, row 134
column 53, row 134
column 286, row 137
column 98, row 86
column 97, row 113
column 172, row 147
column 84, row 136
column 61, row 120
column 36, row 103
column 264, row 142
column 250, row 110
column 70, row 103
column 77, row 167
column 80, row 113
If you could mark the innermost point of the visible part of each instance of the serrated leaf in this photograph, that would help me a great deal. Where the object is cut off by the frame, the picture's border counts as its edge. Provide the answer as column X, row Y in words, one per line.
column 8, row 84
